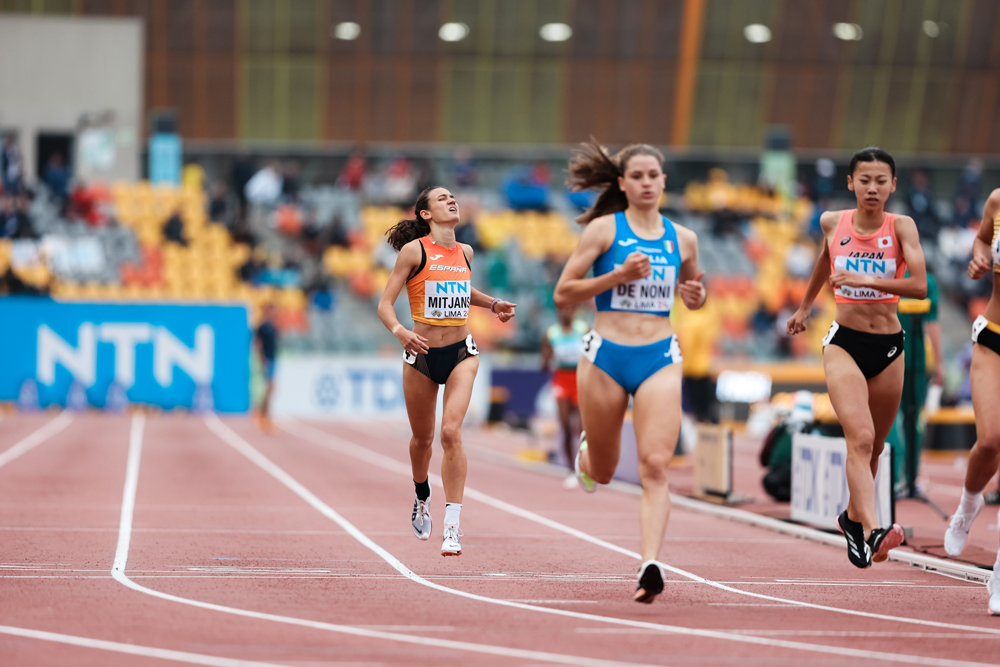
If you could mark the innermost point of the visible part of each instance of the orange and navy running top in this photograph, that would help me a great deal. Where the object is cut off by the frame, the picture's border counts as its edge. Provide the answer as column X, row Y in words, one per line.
column 877, row 255
column 441, row 290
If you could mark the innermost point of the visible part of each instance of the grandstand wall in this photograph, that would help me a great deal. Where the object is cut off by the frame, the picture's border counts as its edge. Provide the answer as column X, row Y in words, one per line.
column 54, row 71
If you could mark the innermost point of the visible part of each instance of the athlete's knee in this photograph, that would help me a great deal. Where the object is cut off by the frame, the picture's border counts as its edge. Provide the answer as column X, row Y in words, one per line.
column 421, row 442
column 451, row 436
column 862, row 441
column 653, row 468
column 989, row 443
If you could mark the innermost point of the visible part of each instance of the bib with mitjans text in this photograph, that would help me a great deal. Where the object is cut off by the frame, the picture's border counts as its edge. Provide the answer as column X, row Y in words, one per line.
column 653, row 294
column 447, row 299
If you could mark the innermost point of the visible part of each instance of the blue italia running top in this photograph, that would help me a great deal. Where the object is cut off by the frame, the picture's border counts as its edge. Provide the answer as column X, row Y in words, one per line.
column 653, row 294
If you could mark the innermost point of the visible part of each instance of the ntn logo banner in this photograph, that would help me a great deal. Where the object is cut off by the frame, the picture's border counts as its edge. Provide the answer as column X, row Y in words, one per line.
column 159, row 354
column 197, row 362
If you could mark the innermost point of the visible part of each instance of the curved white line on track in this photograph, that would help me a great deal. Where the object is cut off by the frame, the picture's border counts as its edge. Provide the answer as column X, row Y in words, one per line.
column 38, row 437
column 242, row 446
column 132, row 649
column 349, row 448
column 121, row 560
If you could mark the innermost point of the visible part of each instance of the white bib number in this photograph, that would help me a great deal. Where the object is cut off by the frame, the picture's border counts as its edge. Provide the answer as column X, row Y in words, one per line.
column 591, row 344
column 877, row 268
column 447, row 299
column 653, row 293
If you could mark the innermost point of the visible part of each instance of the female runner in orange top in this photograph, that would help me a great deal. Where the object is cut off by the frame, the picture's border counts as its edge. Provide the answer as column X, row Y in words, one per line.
column 866, row 253
column 436, row 270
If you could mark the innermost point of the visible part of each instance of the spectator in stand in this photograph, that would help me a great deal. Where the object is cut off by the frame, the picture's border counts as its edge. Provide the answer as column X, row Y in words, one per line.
column 242, row 171
column 11, row 166
column 425, row 175
column 400, row 182
column 291, row 183
column 173, row 229
column 823, row 186
column 920, row 205
column 463, row 171
column 527, row 188
column 57, row 177
column 16, row 222
column 352, row 176
column 265, row 187
column 255, row 265
column 219, row 209
column 967, row 197
column 267, row 347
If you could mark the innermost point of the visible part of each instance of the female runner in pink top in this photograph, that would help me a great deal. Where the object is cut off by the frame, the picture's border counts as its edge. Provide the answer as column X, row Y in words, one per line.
column 866, row 253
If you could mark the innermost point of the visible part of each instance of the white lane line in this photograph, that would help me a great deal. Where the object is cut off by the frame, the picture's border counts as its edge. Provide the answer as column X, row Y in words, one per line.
column 38, row 437
column 342, row 446
column 812, row 633
column 128, row 495
column 133, row 649
column 121, row 560
column 245, row 448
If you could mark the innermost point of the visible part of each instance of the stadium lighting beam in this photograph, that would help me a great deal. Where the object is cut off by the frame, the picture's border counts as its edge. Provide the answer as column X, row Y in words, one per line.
column 453, row 32
column 931, row 29
column 347, row 31
column 849, row 32
column 757, row 33
column 555, row 32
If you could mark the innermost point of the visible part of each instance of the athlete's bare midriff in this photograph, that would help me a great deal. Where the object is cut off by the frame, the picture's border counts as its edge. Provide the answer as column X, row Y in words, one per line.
column 632, row 328
column 992, row 312
column 438, row 336
column 878, row 318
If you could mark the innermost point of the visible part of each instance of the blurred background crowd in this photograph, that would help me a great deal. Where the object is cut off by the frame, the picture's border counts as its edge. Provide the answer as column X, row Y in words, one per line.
column 303, row 130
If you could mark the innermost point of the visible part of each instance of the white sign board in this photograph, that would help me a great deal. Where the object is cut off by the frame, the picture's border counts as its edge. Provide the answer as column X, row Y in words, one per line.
column 346, row 387
column 819, row 481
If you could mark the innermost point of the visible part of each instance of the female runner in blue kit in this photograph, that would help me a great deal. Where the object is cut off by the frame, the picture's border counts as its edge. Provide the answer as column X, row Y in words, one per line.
column 640, row 261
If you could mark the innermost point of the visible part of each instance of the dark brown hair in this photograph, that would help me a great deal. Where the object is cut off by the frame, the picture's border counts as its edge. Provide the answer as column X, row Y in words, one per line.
column 405, row 231
column 593, row 168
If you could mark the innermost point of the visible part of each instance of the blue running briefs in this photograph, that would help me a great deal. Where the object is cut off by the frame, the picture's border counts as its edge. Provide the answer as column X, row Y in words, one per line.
column 630, row 365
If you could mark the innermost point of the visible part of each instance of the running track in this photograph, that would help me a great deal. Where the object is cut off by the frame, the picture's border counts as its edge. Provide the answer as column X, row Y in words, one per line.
column 182, row 540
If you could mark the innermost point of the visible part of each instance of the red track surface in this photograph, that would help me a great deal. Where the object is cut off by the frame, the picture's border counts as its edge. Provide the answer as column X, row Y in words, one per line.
column 211, row 525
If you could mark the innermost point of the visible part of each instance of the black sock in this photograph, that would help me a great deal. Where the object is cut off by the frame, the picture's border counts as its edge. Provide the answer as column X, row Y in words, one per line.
column 423, row 490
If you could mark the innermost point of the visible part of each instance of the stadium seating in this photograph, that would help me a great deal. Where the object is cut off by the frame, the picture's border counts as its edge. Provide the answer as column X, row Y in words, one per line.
column 206, row 269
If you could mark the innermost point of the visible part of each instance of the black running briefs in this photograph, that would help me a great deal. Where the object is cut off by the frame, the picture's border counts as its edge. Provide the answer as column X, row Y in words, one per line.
column 871, row 352
column 985, row 336
column 438, row 362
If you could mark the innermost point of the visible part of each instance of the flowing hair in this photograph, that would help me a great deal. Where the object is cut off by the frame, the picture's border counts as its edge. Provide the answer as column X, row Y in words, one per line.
column 405, row 231
column 593, row 168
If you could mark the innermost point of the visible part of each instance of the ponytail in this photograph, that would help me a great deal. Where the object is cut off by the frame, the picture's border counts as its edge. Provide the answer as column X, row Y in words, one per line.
column 405, row 231
column 592, row 168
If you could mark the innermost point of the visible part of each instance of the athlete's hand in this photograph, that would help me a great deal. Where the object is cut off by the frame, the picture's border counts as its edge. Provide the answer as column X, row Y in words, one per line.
column 636, row 267
column 979, row 266
column 504, row 310
column 797, row 324
column 411, row 342
column 693, row 292
column 845, row 279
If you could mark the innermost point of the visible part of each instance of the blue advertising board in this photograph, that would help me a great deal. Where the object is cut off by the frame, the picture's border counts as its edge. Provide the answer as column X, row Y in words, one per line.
column 189, row 356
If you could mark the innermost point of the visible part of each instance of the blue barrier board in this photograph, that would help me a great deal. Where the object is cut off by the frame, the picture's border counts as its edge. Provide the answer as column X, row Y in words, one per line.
column 166, row 355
